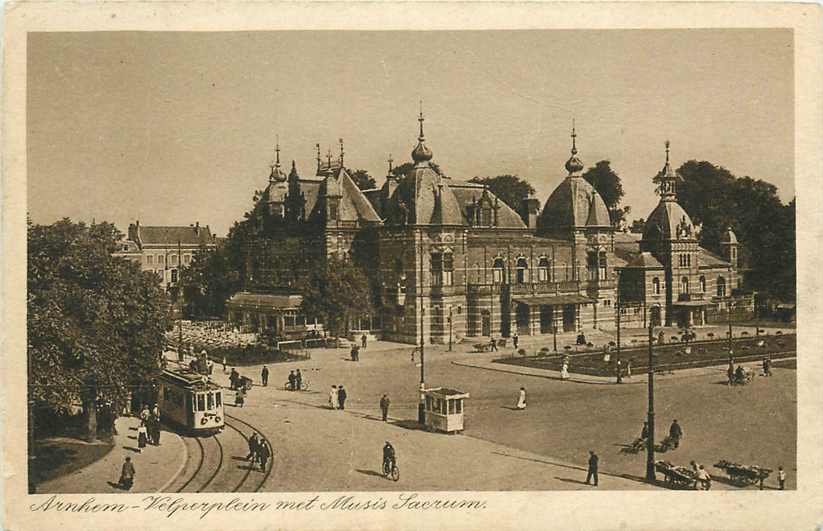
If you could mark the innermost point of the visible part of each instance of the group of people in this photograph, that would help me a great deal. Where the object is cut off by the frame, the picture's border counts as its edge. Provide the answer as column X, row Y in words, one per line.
column 259, row 452
column 295, row 382
column 702, row 479
column 337, row 397
column 148, row 432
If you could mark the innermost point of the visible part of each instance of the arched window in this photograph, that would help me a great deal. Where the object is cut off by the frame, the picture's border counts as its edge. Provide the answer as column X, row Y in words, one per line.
column 656, row 286
column 684, row 285
column 543, row 270
column 497, row 271
column 721, row 287
column 522, row 271
column 703, row 284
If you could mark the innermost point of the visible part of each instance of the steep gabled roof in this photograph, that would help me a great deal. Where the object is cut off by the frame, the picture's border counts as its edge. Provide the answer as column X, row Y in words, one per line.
column 192, row 235
column 709, row 259
column 468, row 193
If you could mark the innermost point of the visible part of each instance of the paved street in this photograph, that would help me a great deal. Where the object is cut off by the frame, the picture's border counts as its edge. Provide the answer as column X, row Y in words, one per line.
column 322, row 449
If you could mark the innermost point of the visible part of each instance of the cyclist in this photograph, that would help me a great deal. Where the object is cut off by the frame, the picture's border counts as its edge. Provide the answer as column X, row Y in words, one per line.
column 389, row 457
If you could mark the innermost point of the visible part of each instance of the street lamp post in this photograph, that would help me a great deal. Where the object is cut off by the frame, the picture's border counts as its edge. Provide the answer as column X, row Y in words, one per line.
column 617, row 362
column 554, row 331
column 729, row 319
column 450, row 328
column 650, row 440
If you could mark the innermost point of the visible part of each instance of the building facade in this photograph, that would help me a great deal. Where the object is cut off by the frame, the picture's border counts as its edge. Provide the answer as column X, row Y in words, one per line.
column 451, row 260
column 165, row 250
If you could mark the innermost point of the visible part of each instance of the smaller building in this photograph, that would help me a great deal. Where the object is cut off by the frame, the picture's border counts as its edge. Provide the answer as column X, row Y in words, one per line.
column 277, row 314
column 165, row 250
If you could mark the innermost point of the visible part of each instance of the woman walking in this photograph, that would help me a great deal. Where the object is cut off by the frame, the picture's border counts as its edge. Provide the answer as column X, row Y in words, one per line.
column 333, row 397
column 564, row 369
column 142, row 436
column 521, row 401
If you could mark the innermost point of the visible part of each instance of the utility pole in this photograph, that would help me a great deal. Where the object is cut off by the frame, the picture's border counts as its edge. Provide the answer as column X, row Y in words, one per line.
column 450, row 328
column 617, row 362
column 421, row 408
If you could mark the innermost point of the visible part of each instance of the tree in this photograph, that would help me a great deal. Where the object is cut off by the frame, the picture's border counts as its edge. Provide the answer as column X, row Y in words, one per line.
column 208, row 282
column 716, row 199
column 511, row 189
column 336, row 291
column 406, row 167
column 362, row 179
column 607, row 183
column 95, row 323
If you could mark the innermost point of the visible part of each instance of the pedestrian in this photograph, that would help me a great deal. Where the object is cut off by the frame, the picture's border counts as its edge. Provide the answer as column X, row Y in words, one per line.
column 781, row 477
column 156, row 435
column 150, row 429
column 264, row 376
column 210, row 366
column 730, row 372
column 629, row 368
column 363, row 340
column 493, row 343
column 515, row 339
column 644, row 433
column 263, row 454
column 224, row 364
column 675, row 433
column 341, row 397
column 233, row 376
column 298, row 379
column 593, row 463
column 767, row 366
column 333, row 397
column 521, row 400
column 240, row 397
column 142, row 436
column 292, row 380
column 144, row 413
column 254, row 446
column 385, row 402
column 564, row 368
column 704, row 478
column 126, row 474
column 412, row 354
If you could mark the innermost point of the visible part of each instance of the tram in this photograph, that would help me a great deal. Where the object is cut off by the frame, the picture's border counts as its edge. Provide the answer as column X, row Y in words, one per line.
column 189, row 400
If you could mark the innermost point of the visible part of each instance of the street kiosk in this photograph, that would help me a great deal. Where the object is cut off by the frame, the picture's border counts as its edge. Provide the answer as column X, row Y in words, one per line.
column 444, row 409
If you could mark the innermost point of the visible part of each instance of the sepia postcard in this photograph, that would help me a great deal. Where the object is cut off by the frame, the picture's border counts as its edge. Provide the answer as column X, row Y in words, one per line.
column 435, row 265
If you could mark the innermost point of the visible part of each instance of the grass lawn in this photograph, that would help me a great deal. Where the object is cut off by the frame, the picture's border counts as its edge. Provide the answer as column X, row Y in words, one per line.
column 668, row 357
column 251, row 355
column 61, row 456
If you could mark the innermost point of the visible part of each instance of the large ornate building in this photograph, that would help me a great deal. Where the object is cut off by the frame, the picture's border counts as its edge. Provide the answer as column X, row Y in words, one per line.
column 452, row 260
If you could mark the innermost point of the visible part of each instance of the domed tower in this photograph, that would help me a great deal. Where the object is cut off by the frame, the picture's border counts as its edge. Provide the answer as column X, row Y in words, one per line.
column 729, row 244
column 576, row 212
column 274, row 195
column 670, row 237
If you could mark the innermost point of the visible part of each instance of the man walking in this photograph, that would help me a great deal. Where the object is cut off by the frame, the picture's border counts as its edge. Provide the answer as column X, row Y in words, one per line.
column 384, row 406
column 127, row 475
column 363, row 340
column 292, row 380
column 263, row 454
column 264, row 376
column 593, row 462
column 781, row 477
column 675, row 433
column 253, row 448
column 515, row 339
column 341, row 397
column 730, row 372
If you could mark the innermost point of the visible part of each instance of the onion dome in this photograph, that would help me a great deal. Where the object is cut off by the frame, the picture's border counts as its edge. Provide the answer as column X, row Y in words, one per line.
column 729, row 237
column 421, row 154
column 574, row 203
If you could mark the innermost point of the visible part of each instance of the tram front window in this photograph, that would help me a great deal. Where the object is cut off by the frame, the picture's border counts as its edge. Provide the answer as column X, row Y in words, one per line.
column 211, row 400
column 201, row 403
column 218, row 399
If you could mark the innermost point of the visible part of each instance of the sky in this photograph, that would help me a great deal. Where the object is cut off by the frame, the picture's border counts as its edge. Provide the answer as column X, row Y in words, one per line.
column 178, row 127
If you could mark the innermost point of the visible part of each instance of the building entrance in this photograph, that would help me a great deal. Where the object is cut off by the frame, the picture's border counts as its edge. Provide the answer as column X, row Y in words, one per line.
column 569, row 314
column 522, row 319
column 546, row 314
column 486, row 323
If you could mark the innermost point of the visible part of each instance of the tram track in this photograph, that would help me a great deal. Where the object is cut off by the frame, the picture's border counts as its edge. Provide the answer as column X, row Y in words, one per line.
column 201, row 460
column 267, row 442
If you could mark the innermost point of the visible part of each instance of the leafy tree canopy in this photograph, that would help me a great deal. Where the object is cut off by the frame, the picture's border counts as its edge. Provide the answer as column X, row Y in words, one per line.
column 362, row 179
column 402, row 169
column 607, row 183
column 91, row 316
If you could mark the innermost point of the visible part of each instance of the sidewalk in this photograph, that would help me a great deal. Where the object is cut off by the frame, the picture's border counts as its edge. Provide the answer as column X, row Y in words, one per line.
column 155, row 467
column 637, row 378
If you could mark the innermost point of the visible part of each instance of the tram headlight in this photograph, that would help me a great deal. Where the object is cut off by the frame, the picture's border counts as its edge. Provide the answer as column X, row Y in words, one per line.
column 217, row 419
column 204, row 420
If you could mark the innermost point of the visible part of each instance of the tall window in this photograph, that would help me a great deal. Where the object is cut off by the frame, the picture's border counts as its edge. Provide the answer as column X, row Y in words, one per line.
column 187, row 259
column 497, row 271
column 161, row 259
column 721, row 287
column 173, row 259
column 656, row 286
column 591, row 266
column 149, row 259
column 448, row 269
column 601, row 264
column 522, row 271
column 485, row 216
column 442, row 268
column 684, row 285
column 703, row 284
column 543, row 270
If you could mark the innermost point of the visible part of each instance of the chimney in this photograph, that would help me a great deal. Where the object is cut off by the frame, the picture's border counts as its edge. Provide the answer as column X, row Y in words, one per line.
column 531, row 207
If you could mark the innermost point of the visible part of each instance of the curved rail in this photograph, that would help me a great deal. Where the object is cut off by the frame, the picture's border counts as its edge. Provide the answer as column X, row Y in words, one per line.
column 266, row 441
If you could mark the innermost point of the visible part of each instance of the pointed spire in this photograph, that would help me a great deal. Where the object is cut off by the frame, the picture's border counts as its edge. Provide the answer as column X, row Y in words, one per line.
column 319, row 158
column 421, row 154
column 574, row 165
column 668, row 178
column 390, row 160
column 341, row 152
column 277, row 151
column 420, row 119
column 328, row 156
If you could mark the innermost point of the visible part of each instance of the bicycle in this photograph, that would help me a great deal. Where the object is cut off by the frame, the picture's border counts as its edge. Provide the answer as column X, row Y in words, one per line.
column 394, row 473
column 304, row 386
